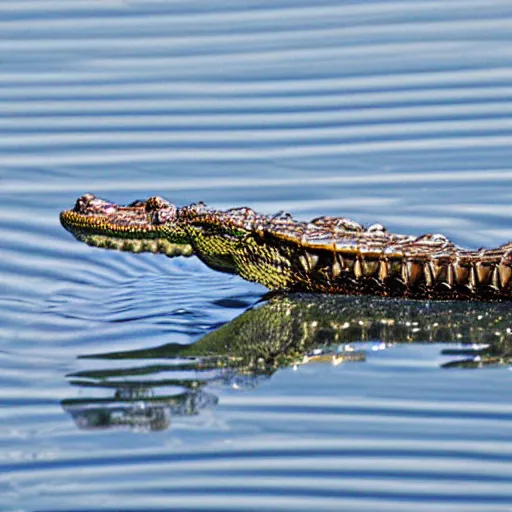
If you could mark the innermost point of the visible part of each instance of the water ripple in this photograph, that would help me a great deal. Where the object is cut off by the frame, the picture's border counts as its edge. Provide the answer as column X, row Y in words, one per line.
column 396, row 112
column 369, row 59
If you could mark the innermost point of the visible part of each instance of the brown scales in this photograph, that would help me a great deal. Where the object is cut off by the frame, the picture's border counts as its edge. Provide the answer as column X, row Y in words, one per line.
column 333, row 255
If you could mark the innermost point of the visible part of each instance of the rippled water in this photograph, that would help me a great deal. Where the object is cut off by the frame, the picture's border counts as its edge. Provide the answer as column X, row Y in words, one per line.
column 393, row 112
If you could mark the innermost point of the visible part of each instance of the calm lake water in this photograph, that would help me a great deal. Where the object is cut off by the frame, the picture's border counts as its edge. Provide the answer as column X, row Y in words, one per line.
column 395, row 112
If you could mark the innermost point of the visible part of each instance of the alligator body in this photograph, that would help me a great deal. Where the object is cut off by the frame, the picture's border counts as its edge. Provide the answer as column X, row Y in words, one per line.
column 325, row 255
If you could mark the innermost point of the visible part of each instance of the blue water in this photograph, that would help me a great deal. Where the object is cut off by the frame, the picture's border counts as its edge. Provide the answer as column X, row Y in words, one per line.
column 395, row 112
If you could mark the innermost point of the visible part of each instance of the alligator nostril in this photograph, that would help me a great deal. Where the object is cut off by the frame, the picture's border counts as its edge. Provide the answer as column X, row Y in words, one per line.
column 90, row 204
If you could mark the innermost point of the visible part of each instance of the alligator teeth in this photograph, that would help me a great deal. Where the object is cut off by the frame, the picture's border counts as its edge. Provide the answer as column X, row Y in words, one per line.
column 411, row 272
column 429, row 281
column 308, row 261
column 472, row 279
column 461, row 273
column 335, row 268
column 495, row 280
column 383, row 270
column 403, row 273
column 358, row 270
column 449, row 276
column 435, row 270
column 312, row 260
column 505, row 274
column 483, row 273
column 304, row 263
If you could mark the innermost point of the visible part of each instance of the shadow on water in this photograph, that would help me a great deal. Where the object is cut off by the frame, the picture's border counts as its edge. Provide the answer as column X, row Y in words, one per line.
column 283, row 331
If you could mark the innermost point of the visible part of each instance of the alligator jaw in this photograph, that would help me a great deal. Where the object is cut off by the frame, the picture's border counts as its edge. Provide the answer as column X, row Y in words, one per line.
column 142, row 226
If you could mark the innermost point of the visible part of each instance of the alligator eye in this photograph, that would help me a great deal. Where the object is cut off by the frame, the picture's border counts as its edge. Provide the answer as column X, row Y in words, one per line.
column 163, row 215
column 156, row 203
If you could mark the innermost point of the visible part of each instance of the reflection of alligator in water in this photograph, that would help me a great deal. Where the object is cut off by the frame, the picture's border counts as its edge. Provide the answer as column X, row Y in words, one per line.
column 286, row 330
column 136, row 408
column 333, row 255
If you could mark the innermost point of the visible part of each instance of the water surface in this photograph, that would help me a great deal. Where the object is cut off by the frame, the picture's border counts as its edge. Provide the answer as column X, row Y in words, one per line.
column 392, row 112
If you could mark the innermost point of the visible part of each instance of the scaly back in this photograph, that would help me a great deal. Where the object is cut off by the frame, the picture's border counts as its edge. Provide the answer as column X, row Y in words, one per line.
column 330, row 255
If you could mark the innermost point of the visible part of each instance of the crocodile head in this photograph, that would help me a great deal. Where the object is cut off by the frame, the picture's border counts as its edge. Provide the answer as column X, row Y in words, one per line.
column 232, row 241
column 142, row 226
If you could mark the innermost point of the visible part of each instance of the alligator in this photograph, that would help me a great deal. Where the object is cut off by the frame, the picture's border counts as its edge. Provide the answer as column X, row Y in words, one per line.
column 326, row 255
column 285, row 330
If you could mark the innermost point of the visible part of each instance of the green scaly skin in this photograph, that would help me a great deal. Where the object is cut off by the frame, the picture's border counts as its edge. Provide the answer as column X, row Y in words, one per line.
column 289, row 329
column 325, row 255
column 293, row 329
